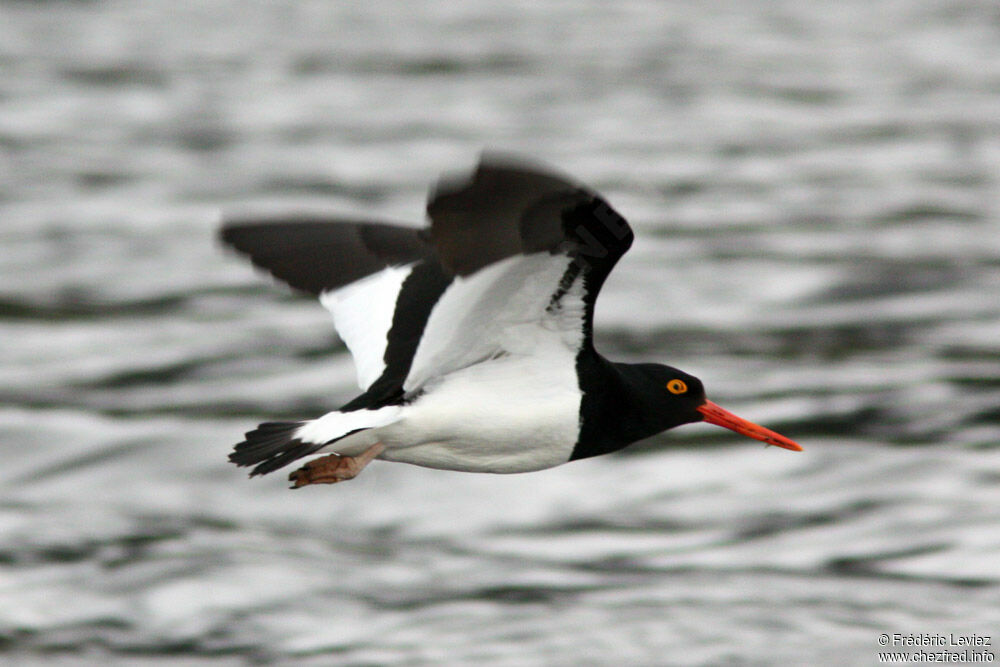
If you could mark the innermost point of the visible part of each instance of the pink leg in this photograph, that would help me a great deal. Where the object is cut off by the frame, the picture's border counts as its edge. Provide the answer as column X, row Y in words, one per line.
column 334, row 468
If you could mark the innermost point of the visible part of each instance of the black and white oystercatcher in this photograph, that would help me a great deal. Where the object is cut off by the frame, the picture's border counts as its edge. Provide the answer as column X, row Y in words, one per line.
column 473, row 337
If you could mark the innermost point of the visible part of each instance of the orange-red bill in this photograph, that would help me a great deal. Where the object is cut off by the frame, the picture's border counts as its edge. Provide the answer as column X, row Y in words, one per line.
column 721, row 417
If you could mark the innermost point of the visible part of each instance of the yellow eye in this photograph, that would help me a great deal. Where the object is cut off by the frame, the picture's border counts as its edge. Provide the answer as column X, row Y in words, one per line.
column 677, row 387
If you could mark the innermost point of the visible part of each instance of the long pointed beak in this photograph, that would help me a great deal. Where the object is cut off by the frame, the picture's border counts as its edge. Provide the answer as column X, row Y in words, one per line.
column 721, row 417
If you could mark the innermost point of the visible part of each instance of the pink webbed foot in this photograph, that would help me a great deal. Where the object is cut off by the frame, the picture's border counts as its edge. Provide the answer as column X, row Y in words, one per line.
column 334, row 468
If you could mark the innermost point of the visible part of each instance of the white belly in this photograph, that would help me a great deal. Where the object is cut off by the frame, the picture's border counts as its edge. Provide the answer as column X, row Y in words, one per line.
column 507, row 415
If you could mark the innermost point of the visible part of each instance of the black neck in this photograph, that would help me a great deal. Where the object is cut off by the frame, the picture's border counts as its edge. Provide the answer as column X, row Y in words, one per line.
column 614, row 411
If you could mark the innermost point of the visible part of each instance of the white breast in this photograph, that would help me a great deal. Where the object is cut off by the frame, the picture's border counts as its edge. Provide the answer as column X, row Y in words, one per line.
column 511, row 414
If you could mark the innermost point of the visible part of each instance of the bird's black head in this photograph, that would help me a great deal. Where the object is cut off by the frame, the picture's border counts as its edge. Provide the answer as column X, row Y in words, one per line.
column 669, row 397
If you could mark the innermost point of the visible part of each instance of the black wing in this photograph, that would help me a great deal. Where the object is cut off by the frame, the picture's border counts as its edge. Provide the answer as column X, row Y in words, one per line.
column 510, row 206
column 317, row 254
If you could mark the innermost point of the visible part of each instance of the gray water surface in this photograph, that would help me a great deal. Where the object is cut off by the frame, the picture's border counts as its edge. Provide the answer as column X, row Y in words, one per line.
column 815, row 191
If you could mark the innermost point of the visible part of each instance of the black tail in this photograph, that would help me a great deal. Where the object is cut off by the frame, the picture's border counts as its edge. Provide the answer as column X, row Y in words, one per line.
column 271, row 446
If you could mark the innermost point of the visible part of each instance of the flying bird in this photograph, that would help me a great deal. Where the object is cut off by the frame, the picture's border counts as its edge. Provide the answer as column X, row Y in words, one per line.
column 472, row 337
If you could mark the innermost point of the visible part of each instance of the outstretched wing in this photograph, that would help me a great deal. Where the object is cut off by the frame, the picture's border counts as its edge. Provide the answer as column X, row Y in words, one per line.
column 358, row 270
column 512, row 250
column 318, row 255
column 529, row 250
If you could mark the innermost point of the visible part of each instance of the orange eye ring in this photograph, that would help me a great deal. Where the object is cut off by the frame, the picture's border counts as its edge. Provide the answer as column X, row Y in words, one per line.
column 677, row 387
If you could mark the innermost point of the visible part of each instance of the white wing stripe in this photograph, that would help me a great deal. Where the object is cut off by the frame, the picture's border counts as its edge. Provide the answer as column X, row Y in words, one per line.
column 498, row 309
column 362, row 313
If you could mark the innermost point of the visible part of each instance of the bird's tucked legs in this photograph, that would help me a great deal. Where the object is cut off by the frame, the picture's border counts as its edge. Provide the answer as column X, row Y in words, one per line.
column 334, row 468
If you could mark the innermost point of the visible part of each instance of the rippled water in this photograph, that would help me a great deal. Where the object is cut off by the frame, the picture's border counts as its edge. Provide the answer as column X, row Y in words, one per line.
column 815, row 190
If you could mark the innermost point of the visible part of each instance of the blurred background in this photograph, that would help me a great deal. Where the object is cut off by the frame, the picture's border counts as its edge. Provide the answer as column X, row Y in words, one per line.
column 815, row 187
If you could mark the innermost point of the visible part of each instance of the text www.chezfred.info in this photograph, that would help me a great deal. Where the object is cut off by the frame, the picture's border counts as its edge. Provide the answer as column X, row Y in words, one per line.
column 929, row 647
